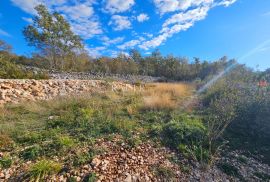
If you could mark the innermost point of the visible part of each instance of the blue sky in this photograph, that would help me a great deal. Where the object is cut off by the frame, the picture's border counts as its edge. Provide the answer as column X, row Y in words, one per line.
column 208, row 29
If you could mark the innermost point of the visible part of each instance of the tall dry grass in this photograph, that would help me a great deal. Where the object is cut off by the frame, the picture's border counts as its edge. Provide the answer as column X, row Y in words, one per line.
column 159, row 96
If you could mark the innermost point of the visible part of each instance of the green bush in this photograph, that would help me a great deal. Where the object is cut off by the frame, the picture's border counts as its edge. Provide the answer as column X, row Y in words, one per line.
column 183, row 130
column 10, row 70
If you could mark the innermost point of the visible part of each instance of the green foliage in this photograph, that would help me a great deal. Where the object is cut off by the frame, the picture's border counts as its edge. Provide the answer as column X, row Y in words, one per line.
column 5, row 162
column 31, row 153
column 92, row 177
column 183, row 129
column 10, row 70
column 82, row 158
column 43, row 168
column 52, row 34
column 65, row 142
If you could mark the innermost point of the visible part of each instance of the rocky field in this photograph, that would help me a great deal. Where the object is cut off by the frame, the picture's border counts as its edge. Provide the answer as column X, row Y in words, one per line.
column 15, row 91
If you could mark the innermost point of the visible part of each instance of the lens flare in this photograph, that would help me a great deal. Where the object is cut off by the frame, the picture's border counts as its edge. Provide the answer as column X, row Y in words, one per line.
column 226, row 71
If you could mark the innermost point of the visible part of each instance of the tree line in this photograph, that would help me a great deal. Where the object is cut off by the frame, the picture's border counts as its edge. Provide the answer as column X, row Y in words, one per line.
column 59, row 48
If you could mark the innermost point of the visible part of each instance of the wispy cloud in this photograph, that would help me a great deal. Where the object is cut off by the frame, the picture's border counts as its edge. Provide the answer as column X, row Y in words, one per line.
column 181, row 20
column 120, row 22
column 118, row 6
column 4, row 33
column 108, row 42
column 95, row 51
column 29, row 20
column 89, row 19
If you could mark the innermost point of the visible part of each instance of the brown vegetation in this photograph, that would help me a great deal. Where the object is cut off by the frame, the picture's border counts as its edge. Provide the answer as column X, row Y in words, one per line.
column 166, row 95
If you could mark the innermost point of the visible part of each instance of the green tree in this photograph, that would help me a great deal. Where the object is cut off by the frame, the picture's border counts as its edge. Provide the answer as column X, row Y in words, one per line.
column 52, row 35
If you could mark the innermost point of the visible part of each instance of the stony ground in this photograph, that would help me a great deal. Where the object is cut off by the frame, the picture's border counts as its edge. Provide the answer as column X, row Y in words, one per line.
column 14, row 91
column 119, row 160
column 122, row 163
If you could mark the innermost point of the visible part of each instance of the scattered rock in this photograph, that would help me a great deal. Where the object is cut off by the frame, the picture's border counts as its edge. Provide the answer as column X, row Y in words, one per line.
column 15, row 91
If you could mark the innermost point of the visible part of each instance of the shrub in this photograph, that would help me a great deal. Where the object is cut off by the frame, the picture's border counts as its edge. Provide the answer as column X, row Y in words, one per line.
column 10, row 70
column 43, row 168
column 183, row 130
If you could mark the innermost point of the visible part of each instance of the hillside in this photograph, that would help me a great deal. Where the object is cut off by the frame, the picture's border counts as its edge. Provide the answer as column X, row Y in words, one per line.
column 100, row 134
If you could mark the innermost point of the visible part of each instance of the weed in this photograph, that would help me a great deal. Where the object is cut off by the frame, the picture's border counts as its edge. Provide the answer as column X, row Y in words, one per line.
column 31, row 153
column 65, row 142
column 163, row 172
column 43, row 168
column 92, row 177
column 5, row 162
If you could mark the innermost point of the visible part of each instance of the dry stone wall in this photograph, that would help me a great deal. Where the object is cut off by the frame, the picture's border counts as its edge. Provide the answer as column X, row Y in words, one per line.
column 14, row 91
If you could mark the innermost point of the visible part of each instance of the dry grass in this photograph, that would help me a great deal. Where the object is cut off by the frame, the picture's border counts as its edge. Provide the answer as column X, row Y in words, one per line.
column 166, row 95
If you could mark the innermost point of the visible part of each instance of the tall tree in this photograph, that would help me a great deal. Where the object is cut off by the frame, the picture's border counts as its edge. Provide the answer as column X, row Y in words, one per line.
column 52, row 35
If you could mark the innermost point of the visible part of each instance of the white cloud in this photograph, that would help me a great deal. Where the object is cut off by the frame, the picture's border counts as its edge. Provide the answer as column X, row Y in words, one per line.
column 27, row 5
column 149, row 35
column 82, row 19
column 120, row 22
column 118, row 6
column 76, row 12
column 29, row 20
column 142, row 17
column 182, row 20
column 95, row 51
column 182, row 14
column 189, row 16
column 226, row 2
column 87, row 29
column 4, row 33
column 80, row 14
column 107, row 41
column 165, row 6
column 129, row 44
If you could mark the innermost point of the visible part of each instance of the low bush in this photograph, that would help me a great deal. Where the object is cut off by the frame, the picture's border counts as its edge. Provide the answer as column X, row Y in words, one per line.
column 183, row 129
column 10, row 70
